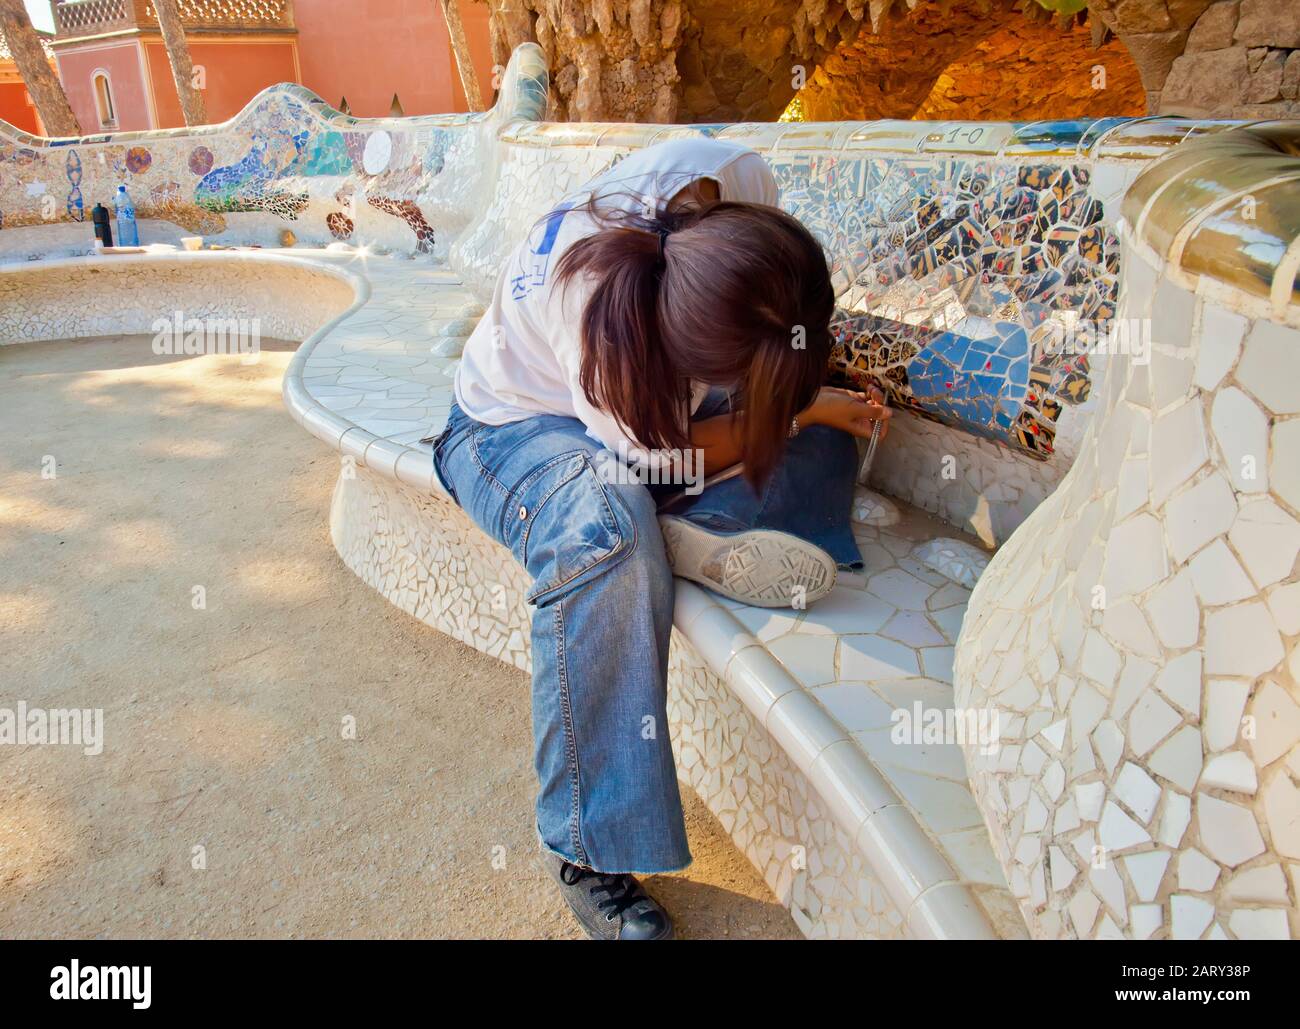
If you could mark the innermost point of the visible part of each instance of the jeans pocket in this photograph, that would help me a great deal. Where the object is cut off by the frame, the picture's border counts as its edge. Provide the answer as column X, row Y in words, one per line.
column 562, row 525
column 437, row 439
column 439, row 459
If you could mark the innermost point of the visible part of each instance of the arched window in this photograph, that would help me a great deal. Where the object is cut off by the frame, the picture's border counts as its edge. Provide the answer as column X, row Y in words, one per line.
column 103, row 99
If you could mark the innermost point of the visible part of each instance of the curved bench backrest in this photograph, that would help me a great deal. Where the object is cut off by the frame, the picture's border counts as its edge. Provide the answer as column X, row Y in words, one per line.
column 963, row 253
column 1137, row 639
column 977, row 266
column 287, row 161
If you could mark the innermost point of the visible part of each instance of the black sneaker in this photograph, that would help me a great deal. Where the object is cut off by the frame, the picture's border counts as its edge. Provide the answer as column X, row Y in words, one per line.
column 609, row 907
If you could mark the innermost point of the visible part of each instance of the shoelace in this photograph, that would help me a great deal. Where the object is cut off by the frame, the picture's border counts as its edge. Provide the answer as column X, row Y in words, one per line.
column 620, row 890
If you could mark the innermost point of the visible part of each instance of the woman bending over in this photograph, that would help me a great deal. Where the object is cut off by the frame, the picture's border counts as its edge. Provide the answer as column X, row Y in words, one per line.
column 651, row 334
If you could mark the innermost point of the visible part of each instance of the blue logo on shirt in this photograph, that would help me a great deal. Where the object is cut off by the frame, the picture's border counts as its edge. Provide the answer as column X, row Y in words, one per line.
column 534, row 261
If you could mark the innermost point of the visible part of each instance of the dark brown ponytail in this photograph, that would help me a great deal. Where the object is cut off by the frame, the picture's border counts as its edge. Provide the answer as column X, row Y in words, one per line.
column 741, row 297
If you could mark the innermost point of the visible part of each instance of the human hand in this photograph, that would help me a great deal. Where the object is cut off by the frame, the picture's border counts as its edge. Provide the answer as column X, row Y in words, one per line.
column 849, row 410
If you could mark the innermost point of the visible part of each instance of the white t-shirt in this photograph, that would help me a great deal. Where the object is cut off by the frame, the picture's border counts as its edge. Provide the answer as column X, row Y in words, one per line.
column 525, row 355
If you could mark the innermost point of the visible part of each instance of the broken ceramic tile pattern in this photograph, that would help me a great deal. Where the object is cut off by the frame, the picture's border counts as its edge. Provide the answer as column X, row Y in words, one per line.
column 375, row 388
column 984, row 250
column 1137, row 637
column 946, row 268
column 805, row 693
column 858, row 654
column 938, row 256
column 288, row 155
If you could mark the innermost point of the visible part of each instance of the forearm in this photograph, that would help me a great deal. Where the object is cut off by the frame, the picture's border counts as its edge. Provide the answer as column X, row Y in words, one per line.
column 718, row 441
column 719, row 438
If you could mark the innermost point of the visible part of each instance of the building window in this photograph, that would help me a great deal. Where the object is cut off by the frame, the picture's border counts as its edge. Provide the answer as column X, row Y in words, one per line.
column 104, row 100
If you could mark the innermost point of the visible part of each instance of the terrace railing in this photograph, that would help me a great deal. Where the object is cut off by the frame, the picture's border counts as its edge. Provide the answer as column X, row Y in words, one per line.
column 97, row 17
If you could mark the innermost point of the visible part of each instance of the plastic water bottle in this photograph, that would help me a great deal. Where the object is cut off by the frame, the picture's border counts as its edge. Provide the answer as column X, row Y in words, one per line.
column 127, row 233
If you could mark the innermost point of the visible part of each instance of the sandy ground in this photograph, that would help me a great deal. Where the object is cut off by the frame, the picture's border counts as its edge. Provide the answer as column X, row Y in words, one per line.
column 228, row 800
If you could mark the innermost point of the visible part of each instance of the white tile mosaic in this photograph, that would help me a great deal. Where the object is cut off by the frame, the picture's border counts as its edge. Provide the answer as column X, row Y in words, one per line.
column 1159, row 608
column 1132, row 644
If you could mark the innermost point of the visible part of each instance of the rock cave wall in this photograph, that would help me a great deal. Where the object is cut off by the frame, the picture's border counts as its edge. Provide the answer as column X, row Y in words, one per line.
column 745, row 60
column 1021, row 71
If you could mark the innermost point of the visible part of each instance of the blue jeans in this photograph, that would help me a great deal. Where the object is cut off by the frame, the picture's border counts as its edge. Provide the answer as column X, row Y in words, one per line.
column 602, row 600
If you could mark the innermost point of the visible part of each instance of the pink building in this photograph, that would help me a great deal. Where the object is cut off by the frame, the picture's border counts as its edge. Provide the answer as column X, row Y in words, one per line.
column 396, row 47
column 16, row 105
column 111, row 59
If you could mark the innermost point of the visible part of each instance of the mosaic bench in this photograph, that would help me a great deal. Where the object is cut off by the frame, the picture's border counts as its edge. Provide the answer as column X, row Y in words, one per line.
column 957, row 250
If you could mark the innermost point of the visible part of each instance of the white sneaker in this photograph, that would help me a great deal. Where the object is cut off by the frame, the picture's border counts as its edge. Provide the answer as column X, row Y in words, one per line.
column 762, row 567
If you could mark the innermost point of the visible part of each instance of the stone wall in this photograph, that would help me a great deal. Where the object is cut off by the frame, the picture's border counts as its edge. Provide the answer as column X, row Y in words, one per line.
column 966, row 63
column 674, row 60
column 1024, row 71
column 720, row 60
column 891, row 73
column 1241, row 59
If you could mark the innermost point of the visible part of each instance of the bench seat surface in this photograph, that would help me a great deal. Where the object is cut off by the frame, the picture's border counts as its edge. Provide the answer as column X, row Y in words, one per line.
column 833, row 675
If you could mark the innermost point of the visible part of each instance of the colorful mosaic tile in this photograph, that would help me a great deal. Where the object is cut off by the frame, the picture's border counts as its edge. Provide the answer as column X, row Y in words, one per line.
column 946, row 264
column 945, row 269
column 955, row 255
